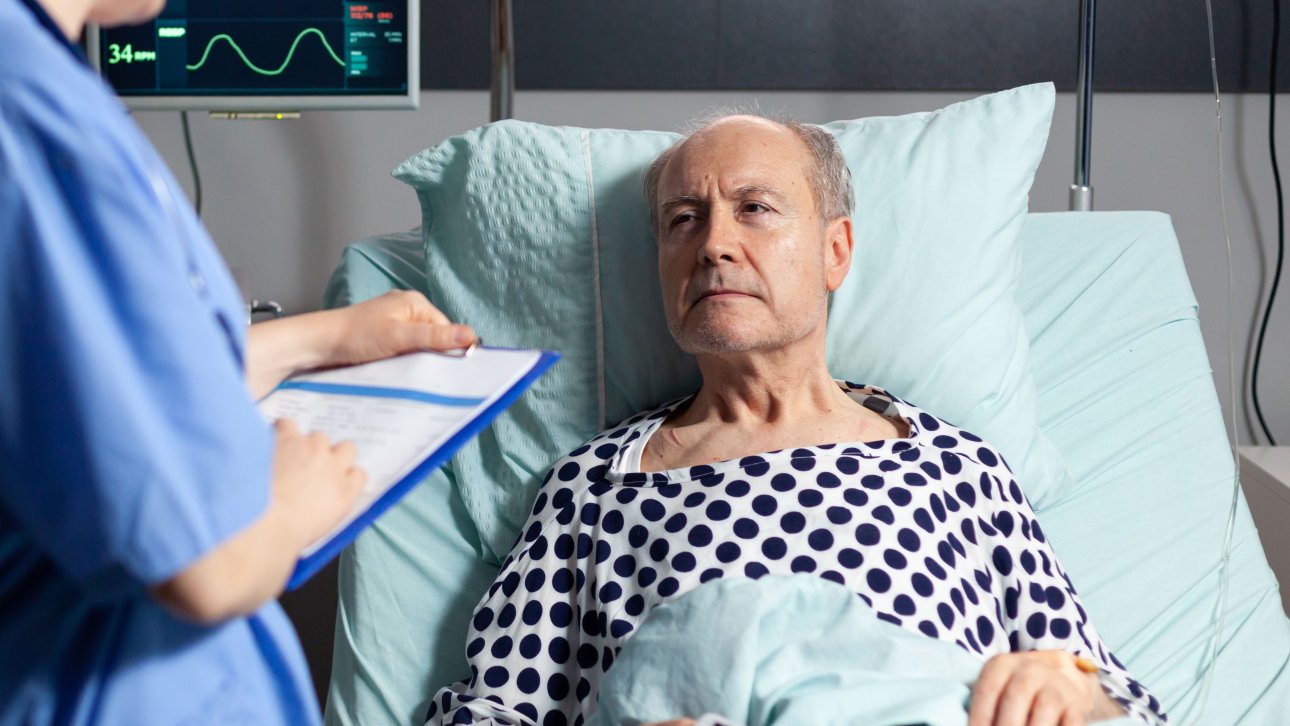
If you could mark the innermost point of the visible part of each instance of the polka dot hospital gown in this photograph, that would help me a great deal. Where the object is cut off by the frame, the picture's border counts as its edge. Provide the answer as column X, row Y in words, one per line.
column 931, row 531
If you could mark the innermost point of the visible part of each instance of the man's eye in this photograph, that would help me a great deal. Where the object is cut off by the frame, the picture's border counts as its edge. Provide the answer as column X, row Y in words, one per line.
column 683, row 218
column 755, row 207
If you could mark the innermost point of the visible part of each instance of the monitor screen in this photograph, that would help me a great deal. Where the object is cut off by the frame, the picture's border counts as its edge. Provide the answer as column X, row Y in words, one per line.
column 265, row 55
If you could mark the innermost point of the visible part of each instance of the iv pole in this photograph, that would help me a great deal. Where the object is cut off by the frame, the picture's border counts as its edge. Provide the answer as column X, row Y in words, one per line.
column 1081, row 193
column 502, row 90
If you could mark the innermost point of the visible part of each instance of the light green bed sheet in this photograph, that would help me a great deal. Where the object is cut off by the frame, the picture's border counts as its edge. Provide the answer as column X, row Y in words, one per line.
column 1126, row 393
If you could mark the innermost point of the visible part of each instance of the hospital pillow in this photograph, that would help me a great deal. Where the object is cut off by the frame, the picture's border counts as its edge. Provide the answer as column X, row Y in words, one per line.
column 538, row 235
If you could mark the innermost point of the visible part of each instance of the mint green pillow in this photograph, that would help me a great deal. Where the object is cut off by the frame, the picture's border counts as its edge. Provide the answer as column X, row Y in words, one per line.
column 538, row 236
column 929, row 310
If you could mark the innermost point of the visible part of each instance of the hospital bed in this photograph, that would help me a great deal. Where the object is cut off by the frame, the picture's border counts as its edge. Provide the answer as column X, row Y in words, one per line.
column 1121, row 382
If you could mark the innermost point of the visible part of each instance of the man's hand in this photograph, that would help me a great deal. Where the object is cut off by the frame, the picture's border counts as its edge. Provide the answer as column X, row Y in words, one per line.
column 396, row 322
column 1038, row 688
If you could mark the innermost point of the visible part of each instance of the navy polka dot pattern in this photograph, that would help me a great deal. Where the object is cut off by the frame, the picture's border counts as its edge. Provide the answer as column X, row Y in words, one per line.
column 931, row 531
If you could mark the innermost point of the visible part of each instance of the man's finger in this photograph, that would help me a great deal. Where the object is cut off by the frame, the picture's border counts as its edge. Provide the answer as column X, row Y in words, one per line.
column 1015, row 702
column 1074, row 717
column 1047, row 709
column 985, row 694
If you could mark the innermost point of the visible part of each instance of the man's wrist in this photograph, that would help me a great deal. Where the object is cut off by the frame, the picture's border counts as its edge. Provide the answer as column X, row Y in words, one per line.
column 1103, row 707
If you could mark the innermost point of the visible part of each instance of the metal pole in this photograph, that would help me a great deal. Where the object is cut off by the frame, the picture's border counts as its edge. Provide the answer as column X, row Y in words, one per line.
column 503, row 88
column 1081, row 194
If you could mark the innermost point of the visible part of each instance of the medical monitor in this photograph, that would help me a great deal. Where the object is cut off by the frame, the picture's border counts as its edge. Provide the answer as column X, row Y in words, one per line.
column 265, row 55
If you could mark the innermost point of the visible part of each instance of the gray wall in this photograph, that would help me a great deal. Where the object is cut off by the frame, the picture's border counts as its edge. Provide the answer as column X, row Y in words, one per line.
column 283, row 198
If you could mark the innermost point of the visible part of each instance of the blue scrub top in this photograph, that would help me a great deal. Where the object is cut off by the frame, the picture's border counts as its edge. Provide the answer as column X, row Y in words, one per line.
column 129, row 446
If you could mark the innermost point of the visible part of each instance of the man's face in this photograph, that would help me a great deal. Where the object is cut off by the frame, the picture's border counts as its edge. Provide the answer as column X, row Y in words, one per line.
column 744, row 262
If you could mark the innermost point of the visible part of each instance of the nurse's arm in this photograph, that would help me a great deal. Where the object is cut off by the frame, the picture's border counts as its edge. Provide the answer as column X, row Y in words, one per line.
column 314, row 485
column 396, row 322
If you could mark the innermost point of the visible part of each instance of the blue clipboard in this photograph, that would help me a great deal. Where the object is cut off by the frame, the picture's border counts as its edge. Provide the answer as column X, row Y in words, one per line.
column 307, row 567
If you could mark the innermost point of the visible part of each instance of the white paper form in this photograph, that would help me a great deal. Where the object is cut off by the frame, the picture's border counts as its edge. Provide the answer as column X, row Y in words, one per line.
column 397, row 411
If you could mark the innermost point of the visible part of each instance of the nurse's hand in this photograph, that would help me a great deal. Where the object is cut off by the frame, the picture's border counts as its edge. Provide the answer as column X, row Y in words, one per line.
column 396, row 322
column 314, row 484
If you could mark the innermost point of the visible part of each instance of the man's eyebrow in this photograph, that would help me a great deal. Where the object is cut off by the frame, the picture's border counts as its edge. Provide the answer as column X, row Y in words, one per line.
column 752, row 190
column 747, row 190
column 681, row 200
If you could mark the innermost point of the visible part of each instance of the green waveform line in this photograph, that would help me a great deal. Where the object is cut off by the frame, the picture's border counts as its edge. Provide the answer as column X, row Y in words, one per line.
column 257, row 69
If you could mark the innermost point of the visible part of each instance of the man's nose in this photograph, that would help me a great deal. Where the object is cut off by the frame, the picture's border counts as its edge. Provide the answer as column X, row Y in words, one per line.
column 721, row 242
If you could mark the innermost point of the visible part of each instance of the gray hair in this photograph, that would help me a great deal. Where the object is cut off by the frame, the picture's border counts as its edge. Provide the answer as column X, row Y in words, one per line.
column 828, row 176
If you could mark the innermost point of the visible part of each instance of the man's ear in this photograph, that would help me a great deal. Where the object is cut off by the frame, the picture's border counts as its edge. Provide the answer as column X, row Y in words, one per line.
column 838, row 250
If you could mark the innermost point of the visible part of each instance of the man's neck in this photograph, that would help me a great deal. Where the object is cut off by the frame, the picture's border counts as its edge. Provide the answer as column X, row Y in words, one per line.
column 751, row 404
column 761, row 389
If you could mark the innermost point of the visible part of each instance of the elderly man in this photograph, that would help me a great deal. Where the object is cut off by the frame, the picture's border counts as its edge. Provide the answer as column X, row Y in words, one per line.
column 773, row 467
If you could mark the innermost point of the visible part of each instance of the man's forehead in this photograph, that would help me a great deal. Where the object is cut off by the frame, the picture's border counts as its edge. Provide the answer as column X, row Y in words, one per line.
column 742, row 150
column 743, row 121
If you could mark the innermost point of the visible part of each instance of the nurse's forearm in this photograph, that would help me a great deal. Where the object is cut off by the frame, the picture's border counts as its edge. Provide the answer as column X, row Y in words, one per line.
column 237, row 577
column 277, row 348
column 314, row 484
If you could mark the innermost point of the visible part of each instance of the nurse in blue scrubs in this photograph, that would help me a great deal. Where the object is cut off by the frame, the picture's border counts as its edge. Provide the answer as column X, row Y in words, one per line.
column 148, row 517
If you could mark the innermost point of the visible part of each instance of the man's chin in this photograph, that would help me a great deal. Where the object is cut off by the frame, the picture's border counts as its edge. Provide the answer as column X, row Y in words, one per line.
column 720, row 342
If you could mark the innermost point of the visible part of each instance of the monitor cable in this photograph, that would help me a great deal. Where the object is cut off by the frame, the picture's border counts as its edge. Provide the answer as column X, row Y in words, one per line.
column 1210, row 661
column 1281, row 224
column 192, row 163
